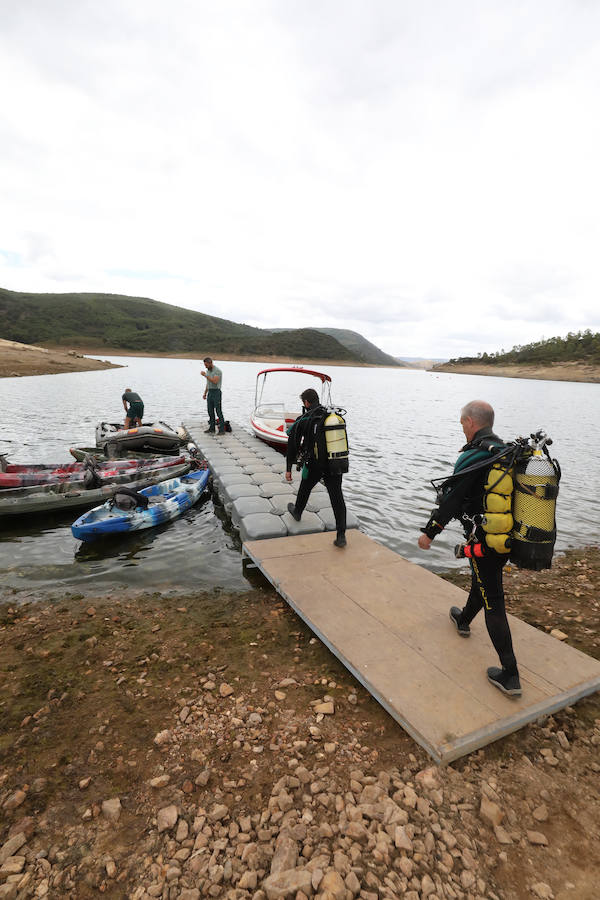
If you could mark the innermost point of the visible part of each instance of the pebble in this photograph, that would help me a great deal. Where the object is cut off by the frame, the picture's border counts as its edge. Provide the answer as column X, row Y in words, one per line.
column 166, row 818
column 490, row 812
column 111, row 809
column 542, row 890
column 537, row 838
column 14, row 800
column 11, row 846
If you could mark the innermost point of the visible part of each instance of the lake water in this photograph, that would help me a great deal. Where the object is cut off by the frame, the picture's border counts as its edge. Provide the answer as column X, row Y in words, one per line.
column 403, row 430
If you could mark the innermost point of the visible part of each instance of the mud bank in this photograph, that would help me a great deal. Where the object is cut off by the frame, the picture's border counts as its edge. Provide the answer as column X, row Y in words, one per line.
column 180, row 746
column 555, row 372
column 26, row 359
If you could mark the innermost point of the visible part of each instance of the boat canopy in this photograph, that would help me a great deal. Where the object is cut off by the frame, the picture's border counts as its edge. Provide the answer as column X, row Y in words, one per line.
column 299, row 369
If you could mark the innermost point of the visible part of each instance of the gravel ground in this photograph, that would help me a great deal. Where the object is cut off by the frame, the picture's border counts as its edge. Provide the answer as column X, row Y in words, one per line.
column 187, row 746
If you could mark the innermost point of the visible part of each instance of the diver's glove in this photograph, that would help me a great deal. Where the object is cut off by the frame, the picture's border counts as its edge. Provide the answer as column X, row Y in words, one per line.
column 433, row 528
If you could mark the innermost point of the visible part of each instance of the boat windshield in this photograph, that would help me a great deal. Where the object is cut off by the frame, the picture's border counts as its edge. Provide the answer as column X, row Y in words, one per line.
column 280, row 390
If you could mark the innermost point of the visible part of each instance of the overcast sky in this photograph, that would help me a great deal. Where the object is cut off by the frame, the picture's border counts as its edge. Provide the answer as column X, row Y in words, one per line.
column 424, row 173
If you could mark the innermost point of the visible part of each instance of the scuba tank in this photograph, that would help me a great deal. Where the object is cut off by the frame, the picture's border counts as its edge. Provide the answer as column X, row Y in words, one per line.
column 519, row 505
column 336, row 442
column 534, row 505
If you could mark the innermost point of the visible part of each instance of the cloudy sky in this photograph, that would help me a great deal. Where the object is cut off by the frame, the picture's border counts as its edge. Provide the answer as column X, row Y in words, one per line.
column 424, row 173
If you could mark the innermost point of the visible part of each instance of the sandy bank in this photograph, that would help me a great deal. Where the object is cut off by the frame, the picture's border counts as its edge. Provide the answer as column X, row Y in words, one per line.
column 162, row 744
column 27, row 359
column 233, row 357
column 574, row 371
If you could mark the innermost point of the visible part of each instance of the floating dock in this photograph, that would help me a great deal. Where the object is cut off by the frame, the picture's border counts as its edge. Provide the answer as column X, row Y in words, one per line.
column 249, row 478
column 387, row 621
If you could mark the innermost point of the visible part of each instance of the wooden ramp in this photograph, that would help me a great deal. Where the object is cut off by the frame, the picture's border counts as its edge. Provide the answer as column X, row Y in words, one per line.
column 387, row 620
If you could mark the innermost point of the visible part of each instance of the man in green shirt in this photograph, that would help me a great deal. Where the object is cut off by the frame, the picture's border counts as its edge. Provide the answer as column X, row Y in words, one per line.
column 135, row 413
column 212, row 395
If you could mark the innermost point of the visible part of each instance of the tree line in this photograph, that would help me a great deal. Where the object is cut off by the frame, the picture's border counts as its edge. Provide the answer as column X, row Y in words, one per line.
column 577, row 346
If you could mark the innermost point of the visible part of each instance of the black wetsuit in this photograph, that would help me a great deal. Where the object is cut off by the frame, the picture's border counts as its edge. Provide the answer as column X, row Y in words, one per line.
column 464, row 497
column 301, row 437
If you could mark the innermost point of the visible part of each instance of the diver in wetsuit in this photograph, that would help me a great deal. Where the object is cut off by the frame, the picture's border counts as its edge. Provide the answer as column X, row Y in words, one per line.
column 301, row 440
column 463, row 499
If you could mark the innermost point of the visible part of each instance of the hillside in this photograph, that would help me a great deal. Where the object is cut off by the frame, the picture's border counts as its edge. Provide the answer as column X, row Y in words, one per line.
column 139, row 324
column 574, row 358
column 580, row 346
column 358, row 344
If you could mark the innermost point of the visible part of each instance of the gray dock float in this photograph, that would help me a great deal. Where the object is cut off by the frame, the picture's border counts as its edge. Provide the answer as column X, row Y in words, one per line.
column 387, row 621
column 249, row 479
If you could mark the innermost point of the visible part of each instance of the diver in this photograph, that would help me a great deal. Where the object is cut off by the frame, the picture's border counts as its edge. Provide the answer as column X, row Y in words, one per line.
column 462, row 497
column 301, row 442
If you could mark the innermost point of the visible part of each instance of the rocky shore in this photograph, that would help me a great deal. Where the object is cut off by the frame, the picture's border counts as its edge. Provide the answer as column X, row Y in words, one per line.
column 187, row 746
column 26, row 359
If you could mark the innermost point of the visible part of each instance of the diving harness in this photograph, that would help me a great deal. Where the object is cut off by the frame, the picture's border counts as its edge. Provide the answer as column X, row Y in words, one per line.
column 519, row 503
column 325, row 440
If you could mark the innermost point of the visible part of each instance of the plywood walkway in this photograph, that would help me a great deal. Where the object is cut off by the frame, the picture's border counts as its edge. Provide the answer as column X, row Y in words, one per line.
column 387, row 620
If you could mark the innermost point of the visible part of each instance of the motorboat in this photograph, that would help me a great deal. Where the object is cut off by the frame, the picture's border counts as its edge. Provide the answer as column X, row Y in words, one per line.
column 274, row 411
column 135, row 510
column 113, row 439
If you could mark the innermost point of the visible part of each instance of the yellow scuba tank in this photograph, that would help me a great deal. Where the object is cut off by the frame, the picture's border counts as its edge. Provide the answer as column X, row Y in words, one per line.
column 497, row 508
column 336, row 442
column 534, row 506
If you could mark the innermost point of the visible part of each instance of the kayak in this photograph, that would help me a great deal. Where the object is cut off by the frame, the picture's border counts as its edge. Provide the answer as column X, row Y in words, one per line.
column 50, row 498
column 113, row 438
column 148, row 507
column 19, row 476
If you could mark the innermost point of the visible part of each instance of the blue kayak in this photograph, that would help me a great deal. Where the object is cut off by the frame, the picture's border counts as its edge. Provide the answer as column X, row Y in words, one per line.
column 130, row 510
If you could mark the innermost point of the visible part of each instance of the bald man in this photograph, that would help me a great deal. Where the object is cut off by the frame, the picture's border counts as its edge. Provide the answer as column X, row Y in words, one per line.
column 462, row 498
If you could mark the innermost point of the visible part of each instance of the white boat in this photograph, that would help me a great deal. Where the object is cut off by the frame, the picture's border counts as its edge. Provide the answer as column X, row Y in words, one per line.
column 273, row 411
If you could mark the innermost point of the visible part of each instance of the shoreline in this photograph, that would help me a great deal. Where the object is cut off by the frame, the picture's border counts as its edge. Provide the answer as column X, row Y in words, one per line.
column 21, row 360
column 234, row 357
column 202, row 744
column 572, row 371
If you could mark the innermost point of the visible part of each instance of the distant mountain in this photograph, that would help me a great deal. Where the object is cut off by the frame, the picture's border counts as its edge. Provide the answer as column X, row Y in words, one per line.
column 421, row 359
column 126, row 323
column 358, row 344
column 419, row 362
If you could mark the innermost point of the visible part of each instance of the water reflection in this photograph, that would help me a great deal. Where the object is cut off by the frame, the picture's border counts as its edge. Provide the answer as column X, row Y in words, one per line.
column 403, row 430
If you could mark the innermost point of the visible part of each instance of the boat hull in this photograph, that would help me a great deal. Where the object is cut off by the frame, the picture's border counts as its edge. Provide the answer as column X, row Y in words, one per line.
column 59, row 497
column 167, row 502
column 22, row 476
column 113, row 438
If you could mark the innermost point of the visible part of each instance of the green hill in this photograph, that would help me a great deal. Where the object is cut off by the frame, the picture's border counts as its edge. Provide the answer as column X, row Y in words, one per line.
column 580, row 346
column 137, row 323
column 356, row 343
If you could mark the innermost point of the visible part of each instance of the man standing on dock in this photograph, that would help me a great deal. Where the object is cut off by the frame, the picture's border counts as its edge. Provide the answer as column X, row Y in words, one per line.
column 212, row 395
column 463, row 499
column 301, row 440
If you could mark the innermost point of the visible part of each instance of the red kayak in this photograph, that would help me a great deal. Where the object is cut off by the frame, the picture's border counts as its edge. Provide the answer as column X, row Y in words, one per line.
column 14, row 476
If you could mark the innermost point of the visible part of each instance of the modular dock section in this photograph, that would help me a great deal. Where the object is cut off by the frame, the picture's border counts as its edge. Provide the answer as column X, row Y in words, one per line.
column 387, row 620
column 249, row 478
